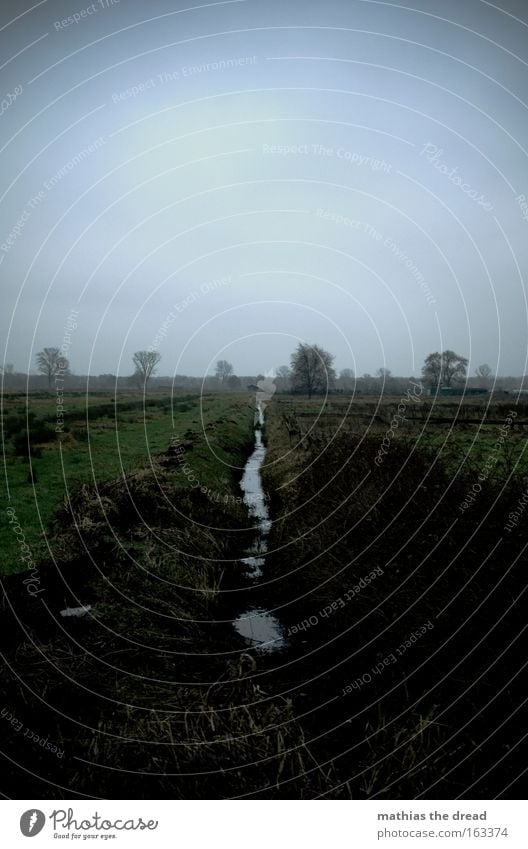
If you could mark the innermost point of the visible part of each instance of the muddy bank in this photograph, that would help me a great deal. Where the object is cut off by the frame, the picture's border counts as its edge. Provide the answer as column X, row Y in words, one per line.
column 401, row 620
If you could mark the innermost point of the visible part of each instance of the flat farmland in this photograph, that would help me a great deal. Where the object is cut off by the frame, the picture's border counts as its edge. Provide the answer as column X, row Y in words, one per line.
column 398, row 537
column 99, row 437
column 461, row 433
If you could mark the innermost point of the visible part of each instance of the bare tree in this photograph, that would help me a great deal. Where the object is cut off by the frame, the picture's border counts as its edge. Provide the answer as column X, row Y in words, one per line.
column 51, row 362
column 145, row 363
column 283, row 378
column 444, row 369
column 347, row 379
column 432, row 369
column 484, row 371
column 454, row 367
column 224, row 369
column 312, row 369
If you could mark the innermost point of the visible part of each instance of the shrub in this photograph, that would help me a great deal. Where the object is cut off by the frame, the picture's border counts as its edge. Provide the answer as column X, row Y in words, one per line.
column 25, row 443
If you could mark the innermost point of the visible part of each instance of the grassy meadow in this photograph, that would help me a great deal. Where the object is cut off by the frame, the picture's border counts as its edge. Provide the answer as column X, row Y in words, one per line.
column 104, row 437
column 391, row 684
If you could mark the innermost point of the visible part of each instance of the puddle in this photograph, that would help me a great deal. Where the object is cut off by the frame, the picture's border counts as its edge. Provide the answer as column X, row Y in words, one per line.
column 262, row 628
column 76, row 611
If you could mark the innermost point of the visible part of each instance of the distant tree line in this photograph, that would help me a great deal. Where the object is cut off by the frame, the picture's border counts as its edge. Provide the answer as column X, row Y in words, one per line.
column 311, row 372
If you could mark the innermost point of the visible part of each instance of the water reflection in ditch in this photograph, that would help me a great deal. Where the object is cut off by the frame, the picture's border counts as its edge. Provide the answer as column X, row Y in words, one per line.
column 257, row 624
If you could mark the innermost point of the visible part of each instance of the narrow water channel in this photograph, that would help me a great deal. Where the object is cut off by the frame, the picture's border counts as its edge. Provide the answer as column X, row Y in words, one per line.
column 256, row 623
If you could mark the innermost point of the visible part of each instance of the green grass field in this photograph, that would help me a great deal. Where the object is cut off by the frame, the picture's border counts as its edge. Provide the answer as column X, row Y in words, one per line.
column 105, row 438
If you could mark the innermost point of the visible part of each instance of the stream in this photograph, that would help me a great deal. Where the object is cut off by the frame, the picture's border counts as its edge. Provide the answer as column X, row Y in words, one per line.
column 256, row 623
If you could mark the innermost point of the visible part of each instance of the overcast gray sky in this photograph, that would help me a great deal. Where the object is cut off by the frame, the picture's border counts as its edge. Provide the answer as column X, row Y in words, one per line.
column 224, row 180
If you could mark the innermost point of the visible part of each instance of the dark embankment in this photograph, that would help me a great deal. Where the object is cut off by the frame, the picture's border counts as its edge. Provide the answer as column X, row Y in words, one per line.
column 151, row 693
column 404, row 617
